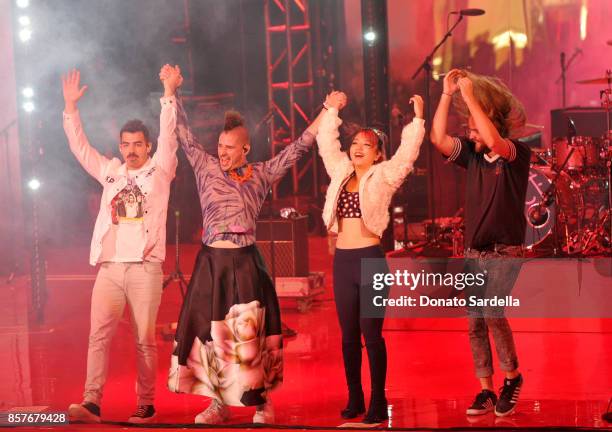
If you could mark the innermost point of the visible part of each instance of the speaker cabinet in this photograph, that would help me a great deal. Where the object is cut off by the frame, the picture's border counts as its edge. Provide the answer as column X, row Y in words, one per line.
column 290, row 246
column 589, row 121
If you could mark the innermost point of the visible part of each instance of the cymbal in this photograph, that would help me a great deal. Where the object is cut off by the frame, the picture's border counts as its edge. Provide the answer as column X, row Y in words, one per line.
column 605, row 80
column 595, row 81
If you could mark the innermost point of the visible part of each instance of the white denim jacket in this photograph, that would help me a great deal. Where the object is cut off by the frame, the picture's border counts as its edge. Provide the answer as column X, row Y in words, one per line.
column 378, row 185
column 154, row 181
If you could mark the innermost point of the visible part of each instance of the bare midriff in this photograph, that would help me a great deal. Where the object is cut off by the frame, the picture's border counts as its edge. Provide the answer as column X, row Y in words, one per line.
column 353, row 234
column 224, row 244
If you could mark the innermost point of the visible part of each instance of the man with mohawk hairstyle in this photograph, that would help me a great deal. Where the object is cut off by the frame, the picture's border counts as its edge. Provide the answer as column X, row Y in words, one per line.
column 228, row 343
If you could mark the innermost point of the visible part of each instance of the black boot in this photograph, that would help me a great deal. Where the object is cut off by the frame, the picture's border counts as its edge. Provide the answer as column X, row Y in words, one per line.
column 377, row 355
column 351, row 352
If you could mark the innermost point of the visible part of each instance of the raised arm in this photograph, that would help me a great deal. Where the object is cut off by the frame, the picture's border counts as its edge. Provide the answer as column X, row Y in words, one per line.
column 335, row 100
column 197, row 157
column 438, row 135
column 328, row 135
column 278, row 166
column 396, row 169
column 89, row 158
column 167, row 143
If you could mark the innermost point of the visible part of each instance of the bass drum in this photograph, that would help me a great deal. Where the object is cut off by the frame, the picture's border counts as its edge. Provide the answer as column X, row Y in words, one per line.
column 565, row 211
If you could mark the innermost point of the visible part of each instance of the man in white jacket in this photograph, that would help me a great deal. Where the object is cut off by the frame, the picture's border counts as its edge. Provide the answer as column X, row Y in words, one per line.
column 129, row 246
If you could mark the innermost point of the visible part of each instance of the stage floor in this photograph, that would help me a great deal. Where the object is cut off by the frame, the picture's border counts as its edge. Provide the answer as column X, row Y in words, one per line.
column 568, row 374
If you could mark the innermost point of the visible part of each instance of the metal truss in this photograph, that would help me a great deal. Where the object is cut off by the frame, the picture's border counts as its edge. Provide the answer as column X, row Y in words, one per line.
column 290, row 83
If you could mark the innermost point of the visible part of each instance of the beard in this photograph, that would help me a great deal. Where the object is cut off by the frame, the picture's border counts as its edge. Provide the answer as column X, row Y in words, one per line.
column 480, row 147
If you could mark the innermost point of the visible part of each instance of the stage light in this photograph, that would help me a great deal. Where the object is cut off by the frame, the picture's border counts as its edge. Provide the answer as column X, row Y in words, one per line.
column 584, row 13
column 28, row 106
column 370, row 36
column 34, row 184
column 436, row 62
column 23, row 3
column 502, row 40
column 27, row 92
column 24, row 20
column 25, row 34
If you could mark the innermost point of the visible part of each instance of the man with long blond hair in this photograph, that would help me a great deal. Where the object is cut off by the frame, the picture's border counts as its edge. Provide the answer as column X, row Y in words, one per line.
column 497, row 176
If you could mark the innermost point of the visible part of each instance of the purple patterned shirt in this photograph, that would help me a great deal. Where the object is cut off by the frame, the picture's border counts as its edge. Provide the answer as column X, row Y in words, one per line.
column 230, row 208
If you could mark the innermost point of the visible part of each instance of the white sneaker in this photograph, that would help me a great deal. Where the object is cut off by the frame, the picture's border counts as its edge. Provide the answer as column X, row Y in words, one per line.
column 264, row 413
column 216, row 413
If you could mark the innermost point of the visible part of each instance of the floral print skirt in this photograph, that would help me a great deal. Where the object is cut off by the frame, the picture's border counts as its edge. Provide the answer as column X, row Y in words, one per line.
column 228, row 343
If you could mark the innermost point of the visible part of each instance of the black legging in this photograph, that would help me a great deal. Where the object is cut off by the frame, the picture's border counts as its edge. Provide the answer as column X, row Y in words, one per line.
column 347, row 281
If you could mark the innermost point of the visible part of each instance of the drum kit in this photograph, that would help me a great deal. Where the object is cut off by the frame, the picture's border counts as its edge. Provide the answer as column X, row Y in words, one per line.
column 568, row 196
column 568, row 200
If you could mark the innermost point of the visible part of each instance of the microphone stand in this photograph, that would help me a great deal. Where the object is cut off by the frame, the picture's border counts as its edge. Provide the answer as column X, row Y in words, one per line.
column 564, row 67
column 285, row 329
column 426, row 66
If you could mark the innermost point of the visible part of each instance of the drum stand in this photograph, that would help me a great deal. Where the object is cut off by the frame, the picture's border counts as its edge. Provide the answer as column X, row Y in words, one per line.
column 593, row 232
column 538, row 213
column 609, row 163
column 606, row 103
column 177, row 275
column 600, row 230
column 595, row 235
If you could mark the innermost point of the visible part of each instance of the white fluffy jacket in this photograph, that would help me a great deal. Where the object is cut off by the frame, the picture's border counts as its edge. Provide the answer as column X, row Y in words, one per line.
column 378, row 185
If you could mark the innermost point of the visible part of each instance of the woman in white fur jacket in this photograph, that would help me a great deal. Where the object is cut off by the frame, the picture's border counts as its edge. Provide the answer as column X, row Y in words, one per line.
column 356, row 207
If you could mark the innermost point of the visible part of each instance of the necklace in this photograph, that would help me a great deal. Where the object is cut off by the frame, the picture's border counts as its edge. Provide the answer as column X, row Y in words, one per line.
column 241, row 178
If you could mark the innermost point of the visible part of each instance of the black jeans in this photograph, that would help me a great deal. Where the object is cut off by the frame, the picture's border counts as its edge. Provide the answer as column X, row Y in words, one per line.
column 347, row 285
